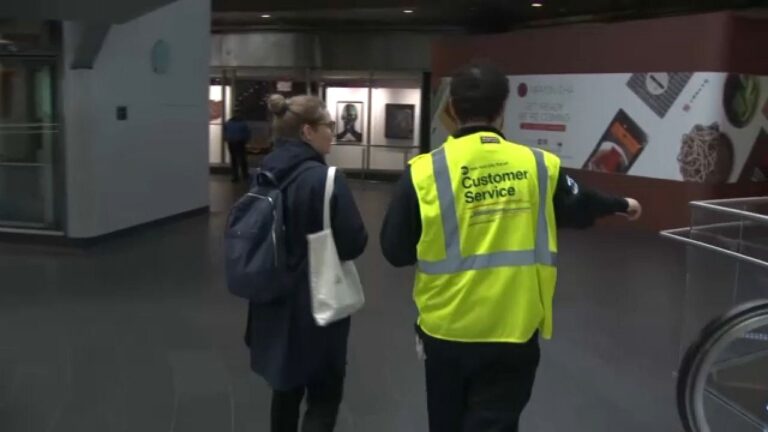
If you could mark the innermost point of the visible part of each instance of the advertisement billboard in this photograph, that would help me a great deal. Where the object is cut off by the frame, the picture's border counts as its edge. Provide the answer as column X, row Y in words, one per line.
column 700, row 127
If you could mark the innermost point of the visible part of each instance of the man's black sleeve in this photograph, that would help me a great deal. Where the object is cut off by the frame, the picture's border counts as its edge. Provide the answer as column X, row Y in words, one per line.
column 576, row 207
column 401, row 231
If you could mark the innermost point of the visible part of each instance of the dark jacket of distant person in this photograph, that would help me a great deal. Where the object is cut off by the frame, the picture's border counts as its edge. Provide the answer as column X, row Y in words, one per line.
column 287, row 347
column 236, row 130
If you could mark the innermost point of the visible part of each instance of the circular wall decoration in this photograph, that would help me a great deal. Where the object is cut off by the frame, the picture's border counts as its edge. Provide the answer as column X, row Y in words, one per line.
column 161, row 57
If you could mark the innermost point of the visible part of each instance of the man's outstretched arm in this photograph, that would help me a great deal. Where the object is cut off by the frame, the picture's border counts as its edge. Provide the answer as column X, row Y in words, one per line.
column 577, row 207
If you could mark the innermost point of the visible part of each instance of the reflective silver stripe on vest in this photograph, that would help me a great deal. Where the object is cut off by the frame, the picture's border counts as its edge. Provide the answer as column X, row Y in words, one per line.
column 447, row 205
column 454, row 262
column 543, row 255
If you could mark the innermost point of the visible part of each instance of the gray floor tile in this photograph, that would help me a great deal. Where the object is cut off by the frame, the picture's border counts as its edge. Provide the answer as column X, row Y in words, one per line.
column 141, row 335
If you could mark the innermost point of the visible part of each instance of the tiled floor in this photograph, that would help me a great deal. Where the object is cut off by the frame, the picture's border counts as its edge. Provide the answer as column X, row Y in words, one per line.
column 141, row 335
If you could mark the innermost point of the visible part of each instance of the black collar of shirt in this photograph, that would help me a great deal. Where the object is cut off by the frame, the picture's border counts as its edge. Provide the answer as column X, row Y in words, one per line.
column 471, row 130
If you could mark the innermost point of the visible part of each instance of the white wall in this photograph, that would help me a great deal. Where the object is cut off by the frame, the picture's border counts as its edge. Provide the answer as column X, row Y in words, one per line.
column 389, row 158
column 384, row 96
column 382, row 158
column 155, row 164
column 348, row 156
column 216, row 128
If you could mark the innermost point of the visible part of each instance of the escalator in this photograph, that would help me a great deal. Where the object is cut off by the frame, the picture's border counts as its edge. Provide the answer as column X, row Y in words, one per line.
column 722, row 381
column 723, row 377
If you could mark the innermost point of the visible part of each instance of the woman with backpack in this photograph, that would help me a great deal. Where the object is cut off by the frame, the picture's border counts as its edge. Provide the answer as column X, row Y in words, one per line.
column 298, row 358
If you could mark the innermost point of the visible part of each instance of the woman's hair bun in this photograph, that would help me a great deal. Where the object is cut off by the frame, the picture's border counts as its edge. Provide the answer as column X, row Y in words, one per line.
column 278, row 105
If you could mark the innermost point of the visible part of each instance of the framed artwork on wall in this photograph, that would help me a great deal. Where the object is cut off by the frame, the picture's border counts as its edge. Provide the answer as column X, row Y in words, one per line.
column 349, row 122
column 399, row 121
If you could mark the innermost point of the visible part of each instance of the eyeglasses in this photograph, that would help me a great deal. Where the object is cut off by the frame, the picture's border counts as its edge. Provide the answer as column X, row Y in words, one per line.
column 331, row 124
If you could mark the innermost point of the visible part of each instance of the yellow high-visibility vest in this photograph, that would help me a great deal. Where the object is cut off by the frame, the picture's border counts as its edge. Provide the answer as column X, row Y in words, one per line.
column 487, row 254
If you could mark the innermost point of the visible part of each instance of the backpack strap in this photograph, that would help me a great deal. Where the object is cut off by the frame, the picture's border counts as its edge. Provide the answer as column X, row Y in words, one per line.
column 264, row 178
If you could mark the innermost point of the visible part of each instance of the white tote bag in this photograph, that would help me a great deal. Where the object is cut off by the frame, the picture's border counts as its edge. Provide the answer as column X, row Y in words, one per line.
column 336, row 289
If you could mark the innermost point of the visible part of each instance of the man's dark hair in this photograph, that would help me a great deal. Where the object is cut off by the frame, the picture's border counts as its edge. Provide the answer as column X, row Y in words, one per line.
column 478, row 92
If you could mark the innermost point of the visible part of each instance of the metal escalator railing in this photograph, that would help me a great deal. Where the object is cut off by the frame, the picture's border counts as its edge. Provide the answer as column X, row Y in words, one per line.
column 723, row 378
column 723, row 374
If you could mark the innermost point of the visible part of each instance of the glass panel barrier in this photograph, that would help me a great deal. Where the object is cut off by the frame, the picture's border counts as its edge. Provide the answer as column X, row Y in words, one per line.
column 723, row 378
column 28, row 144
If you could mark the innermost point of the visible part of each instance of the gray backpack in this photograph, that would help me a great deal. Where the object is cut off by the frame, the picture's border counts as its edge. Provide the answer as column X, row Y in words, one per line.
column 256, row 261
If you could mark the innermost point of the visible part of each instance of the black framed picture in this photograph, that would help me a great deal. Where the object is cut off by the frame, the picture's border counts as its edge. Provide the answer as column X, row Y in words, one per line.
column 349, row 122
column 399, row 121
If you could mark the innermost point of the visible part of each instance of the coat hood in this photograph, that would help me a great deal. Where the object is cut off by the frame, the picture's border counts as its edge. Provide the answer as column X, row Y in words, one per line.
column 288, row 155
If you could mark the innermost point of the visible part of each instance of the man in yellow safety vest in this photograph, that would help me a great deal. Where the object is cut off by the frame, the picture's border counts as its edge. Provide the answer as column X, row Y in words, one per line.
column 479, row 217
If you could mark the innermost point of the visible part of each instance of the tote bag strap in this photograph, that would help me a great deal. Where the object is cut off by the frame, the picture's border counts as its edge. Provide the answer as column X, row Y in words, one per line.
column 329, row 183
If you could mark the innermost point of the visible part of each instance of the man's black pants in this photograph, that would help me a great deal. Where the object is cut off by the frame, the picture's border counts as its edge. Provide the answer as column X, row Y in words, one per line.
column 238, row 157
column 478, row 387
column 323, row 400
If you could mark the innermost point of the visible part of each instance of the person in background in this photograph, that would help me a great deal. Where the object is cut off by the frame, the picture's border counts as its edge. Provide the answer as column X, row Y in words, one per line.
column 295, row 356
column 479, row 218
column 237, row 134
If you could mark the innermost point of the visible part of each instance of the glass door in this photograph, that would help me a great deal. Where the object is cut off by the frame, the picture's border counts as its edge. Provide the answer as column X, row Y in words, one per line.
column 28, row 144
column 245, row 91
